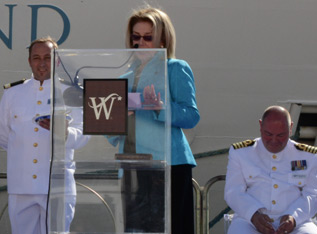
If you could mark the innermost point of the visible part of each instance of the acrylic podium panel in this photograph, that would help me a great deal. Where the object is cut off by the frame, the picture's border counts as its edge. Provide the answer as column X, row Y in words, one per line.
column 116, row 177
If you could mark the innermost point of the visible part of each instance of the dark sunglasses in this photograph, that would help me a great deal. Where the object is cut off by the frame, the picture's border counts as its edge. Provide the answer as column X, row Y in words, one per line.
column 138, row 37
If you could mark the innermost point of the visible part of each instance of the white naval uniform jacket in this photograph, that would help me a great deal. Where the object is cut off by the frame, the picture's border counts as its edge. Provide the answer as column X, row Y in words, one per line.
column 27, row 144
column 257, row 179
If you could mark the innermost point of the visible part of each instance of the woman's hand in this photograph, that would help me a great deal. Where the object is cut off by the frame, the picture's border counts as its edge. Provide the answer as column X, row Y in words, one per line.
column 152, row 101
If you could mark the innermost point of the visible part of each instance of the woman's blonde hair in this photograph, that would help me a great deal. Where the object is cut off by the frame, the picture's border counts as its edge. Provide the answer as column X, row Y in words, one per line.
column 163, row 29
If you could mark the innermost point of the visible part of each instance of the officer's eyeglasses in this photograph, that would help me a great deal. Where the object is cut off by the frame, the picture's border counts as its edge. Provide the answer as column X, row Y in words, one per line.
column 138, row 37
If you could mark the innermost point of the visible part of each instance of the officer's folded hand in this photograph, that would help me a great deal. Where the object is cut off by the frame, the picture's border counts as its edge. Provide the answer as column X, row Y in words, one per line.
column 263, row 223
column 287, row 224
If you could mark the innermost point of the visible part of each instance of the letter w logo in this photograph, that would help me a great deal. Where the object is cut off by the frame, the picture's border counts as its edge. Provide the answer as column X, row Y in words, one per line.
column 102, row 105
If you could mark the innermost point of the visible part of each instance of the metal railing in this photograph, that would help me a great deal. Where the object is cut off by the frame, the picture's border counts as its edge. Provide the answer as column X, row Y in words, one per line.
column 201, row 202
column 202, row 205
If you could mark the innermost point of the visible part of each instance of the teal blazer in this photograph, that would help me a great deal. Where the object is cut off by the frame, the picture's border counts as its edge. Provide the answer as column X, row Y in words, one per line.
column 151, row 126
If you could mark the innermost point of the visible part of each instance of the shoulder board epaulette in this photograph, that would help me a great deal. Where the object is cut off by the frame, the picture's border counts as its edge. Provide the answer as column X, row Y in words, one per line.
column 7, row 86
column 243, row 144
column 307, row 148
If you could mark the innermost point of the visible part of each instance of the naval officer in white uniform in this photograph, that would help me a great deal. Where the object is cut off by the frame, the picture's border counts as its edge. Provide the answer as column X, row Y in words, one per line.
column 271, row 182
column 28, row 144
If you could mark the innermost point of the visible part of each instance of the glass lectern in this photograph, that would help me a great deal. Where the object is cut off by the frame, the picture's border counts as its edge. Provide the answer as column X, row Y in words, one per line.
column 110, row 167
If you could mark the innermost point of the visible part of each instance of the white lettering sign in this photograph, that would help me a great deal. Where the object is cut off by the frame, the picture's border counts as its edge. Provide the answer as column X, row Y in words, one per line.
column 102, row 105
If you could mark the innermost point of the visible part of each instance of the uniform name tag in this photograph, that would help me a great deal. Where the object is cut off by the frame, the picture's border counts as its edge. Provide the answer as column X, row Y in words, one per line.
column 299, row 176
column 299, row 165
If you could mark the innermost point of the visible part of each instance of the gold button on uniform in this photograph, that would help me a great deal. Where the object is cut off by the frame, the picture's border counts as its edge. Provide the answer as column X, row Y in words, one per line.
column 36, row 129
column 274, row 156
column 41, row 88
column 15, row 116
column 273, row 202
column 250, row 176
column 39, row 102
column 299, row 183
column 274, row 168
column 34, row 176
column 35, row 144
column 275, row 186
column 34, row 160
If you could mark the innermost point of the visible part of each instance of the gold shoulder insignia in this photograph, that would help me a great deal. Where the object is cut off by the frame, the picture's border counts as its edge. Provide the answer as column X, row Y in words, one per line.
column 307, row 148
column 7, row 86
column 243, row 144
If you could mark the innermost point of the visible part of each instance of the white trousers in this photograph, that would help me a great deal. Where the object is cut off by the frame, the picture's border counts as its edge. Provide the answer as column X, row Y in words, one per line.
column 241, row 226
column 28, row 213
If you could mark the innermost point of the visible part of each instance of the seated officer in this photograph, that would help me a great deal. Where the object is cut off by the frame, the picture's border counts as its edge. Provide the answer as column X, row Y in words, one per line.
column 271, row 182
